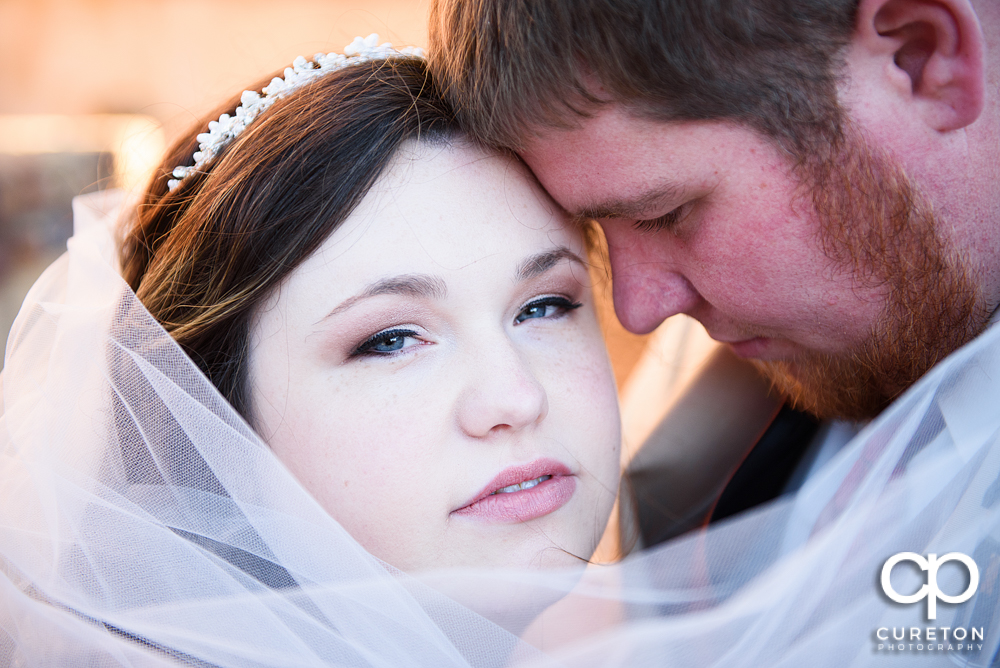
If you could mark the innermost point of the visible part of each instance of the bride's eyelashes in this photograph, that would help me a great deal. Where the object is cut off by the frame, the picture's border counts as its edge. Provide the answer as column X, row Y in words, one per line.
column 388, row 342
column 551, row 306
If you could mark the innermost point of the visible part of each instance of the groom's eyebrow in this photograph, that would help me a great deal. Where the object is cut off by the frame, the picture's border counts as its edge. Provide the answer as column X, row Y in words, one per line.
column 409, row 285
column 540, row 263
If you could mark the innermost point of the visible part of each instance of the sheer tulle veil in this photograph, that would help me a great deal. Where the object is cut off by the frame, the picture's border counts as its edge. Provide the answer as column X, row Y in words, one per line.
column 142, row 522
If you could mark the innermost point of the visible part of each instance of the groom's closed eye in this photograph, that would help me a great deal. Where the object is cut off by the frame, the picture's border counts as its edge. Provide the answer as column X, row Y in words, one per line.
column 667, row 221
column 663, row 196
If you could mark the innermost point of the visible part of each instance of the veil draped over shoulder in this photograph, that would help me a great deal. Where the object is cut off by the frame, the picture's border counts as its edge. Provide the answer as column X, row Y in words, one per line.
column 142, row 522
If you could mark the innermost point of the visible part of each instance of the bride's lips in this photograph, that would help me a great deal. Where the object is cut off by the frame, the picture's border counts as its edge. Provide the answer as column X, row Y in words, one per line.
column 526, row 504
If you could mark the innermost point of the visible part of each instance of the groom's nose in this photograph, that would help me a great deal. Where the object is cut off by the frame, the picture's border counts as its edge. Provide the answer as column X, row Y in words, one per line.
column 647, row 286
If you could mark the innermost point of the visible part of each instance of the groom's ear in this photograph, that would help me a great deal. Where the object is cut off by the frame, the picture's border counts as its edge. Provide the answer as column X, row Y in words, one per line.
column 928, row 53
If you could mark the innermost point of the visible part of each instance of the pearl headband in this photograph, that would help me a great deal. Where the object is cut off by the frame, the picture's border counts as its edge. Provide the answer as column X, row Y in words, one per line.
column 252, row 104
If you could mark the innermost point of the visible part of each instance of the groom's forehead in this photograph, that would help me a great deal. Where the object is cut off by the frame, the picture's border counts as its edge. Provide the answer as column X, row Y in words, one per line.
column 619, row 165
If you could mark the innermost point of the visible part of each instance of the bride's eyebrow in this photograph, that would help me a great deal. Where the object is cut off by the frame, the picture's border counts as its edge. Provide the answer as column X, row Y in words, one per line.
column 540, row 263
column 410, row 285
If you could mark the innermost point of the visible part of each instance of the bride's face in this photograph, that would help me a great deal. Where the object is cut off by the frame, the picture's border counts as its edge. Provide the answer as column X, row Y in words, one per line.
column 437, row 351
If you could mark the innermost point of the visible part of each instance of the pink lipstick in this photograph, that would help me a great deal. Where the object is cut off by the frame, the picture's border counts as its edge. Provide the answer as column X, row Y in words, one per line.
column 523, row 492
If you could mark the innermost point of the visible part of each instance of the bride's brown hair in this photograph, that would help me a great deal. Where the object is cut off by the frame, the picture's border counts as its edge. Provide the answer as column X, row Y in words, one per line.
column 203, row 256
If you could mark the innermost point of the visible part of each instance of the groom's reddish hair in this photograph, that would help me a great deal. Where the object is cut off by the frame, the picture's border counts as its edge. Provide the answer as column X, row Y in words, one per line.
column 513, row 66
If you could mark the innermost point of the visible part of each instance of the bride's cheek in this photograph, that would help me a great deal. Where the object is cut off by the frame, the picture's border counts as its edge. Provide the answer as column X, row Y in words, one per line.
column 584, row 400
column 596, row 379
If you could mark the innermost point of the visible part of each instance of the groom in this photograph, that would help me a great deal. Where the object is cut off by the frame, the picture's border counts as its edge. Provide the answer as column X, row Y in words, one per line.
column 816, row 181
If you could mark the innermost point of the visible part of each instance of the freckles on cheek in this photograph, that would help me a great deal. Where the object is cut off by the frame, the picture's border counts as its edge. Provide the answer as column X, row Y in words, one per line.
column 755, row 253
column 377, row 437
column 585, row 389
column 725, row 264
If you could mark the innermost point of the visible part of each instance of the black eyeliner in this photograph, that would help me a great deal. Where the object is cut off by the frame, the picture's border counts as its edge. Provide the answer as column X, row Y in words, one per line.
column 552, row 300
column 364, row 347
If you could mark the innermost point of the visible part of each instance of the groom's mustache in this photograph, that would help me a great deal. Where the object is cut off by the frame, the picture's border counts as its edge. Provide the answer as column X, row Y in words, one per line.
column 875, row 222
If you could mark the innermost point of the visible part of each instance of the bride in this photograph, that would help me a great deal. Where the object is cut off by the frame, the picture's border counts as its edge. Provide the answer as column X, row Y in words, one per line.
column 404, row 319
column 340, row 398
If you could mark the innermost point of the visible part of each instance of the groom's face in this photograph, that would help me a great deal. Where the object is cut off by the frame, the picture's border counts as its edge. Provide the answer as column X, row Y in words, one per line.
column 711, row 220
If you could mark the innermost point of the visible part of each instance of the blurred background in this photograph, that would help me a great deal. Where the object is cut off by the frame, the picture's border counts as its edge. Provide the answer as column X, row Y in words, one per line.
column 172, row 60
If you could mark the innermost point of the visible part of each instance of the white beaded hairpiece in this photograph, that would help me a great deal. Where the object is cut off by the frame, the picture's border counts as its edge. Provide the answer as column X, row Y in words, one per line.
column 302, row 71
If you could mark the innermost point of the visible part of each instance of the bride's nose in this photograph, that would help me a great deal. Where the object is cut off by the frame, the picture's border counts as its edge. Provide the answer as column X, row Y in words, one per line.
column 502, row 394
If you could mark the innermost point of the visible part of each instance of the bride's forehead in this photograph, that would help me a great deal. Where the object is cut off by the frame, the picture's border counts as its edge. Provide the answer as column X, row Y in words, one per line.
column 465, row 222
column 443, row 176
column 455, row 199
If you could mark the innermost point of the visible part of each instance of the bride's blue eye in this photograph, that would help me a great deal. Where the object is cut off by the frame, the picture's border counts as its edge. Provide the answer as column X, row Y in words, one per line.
column 546, row 307
column 385, row 342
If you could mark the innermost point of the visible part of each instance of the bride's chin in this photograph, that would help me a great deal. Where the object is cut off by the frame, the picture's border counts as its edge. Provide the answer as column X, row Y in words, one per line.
column 509, row 587
column 511, row 598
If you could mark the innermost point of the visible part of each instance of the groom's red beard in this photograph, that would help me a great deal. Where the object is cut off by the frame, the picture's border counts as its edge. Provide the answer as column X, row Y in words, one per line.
column 876, row 222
